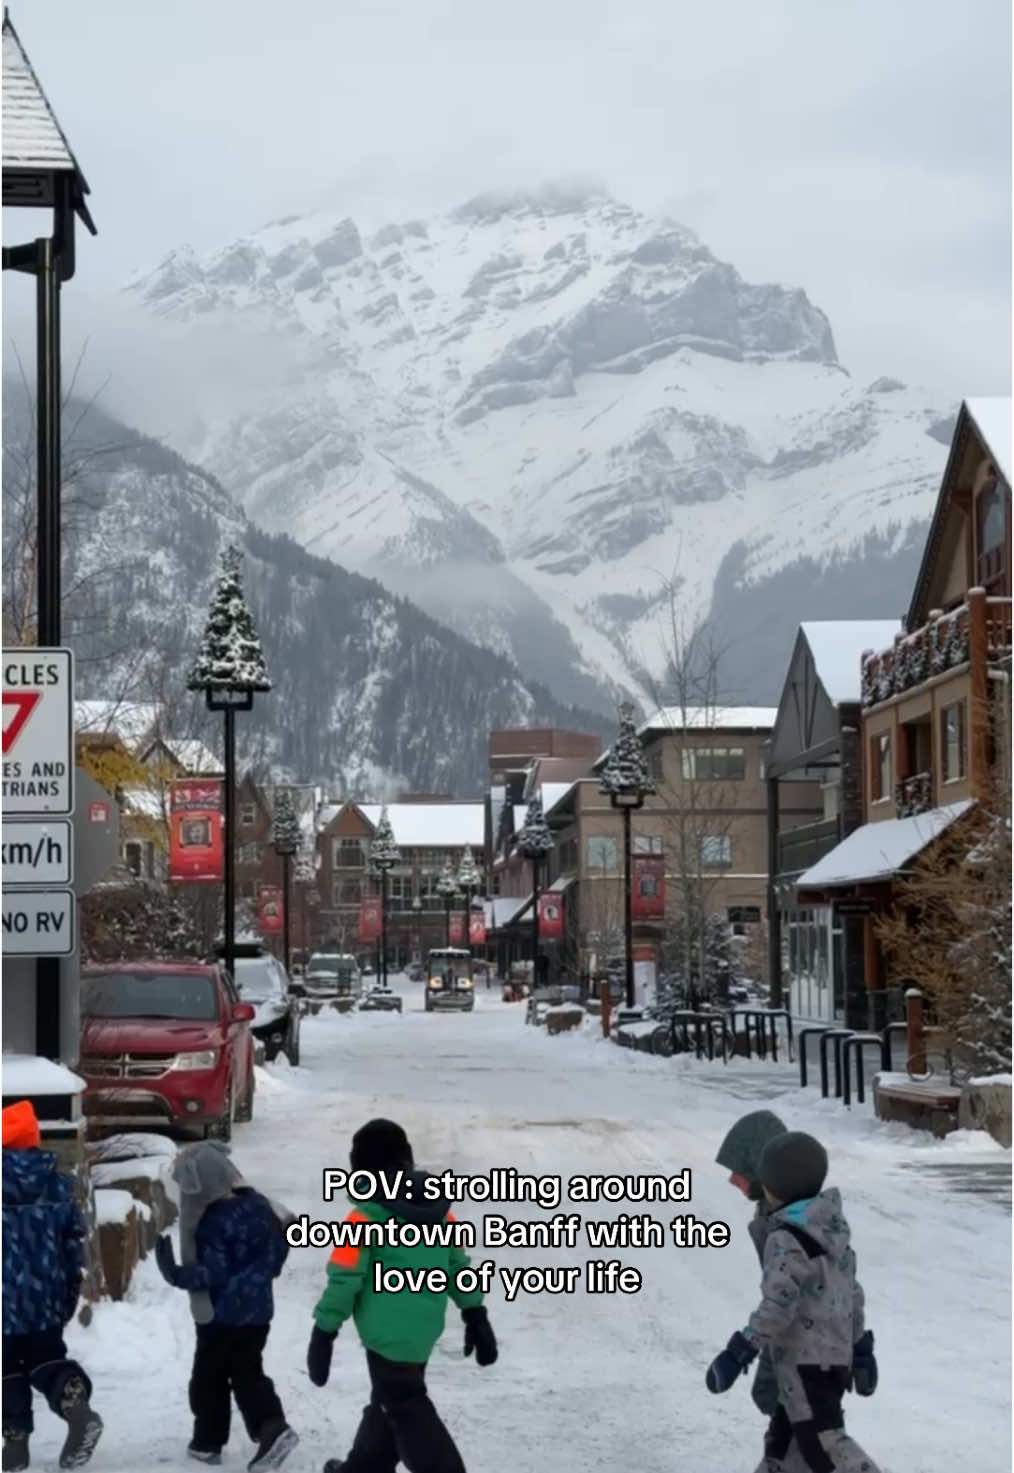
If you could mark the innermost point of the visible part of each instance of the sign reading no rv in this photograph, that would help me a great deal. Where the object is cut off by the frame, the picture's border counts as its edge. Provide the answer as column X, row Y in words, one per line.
column 38, row 731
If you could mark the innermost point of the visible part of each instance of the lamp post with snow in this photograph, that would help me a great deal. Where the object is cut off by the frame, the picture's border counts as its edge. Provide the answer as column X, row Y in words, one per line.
column 626, row 782
column 229, row 669
column 285, row 838
column 447, row 888
column 469, row 882
column 384, row 855
column 535, row 842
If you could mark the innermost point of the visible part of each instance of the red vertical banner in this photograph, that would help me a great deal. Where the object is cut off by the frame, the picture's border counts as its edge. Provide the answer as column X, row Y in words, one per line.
column 195, row 832
column 477, row 928
column 550, row 916
column 271, row 910
column 369, row 919
column 457, row 928
column 648, row 882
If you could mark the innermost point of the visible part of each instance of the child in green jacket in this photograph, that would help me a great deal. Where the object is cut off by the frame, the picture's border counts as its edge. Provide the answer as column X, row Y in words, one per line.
column 398, row 1329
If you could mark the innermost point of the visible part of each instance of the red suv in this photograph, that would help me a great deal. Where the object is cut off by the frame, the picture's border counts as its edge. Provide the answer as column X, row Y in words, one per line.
column 165, row 1043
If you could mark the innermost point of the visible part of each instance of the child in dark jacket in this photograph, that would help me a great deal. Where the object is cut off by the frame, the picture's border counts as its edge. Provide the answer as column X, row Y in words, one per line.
column 232, row 1243
column 43, row 1234
column 398, row 1330
column 810, row 1318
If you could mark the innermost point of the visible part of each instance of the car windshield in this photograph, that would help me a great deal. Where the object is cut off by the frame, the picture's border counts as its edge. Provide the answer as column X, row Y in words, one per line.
column 441, row 966
column 149, row 995
column 256, row 978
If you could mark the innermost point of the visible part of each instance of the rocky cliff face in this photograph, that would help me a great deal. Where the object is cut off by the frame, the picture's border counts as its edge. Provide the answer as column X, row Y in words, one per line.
column 543, row 411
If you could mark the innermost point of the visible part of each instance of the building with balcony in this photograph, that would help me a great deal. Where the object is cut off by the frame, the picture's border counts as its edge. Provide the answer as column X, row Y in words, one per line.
column 935, row 702
column 815, row 952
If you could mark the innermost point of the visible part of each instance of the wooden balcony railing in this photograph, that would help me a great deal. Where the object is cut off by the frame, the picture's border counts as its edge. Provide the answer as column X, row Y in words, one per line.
column 941, row 644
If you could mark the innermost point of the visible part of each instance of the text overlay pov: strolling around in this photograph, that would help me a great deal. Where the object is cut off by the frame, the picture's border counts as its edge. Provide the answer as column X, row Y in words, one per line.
column 502, row 1185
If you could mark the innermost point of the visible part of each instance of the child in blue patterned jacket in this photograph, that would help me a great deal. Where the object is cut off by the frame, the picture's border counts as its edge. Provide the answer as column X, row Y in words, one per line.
column 232, row 1243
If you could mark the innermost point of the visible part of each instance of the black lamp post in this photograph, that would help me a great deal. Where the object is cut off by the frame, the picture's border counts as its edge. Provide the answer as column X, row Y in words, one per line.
column 447, row 886
column 469, row 882
column 535, row 842
column 626, row 780
column 41, row 172
column 285, row 838
column 229, row 668
column 384, row 855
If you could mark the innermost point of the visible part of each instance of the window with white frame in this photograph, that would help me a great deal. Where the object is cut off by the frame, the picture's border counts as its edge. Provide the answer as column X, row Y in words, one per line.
column 399, row 889
column 249, row 854
column 348, row 853
column 715, row 851
column 952, row 742
column 600, row 852
column 247, row 815
column 646, row 844
column 713, row 764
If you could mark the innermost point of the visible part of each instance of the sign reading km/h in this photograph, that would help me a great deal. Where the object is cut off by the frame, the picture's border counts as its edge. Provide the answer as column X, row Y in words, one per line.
column 38, row 732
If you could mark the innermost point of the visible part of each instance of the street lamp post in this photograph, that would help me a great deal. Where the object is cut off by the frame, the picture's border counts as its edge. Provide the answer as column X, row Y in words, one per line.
column 447, row 887
column 285, row 836
column 469, row 881
column 535, row 842
column 626, row 781
column 229, row 669
column 384, row 855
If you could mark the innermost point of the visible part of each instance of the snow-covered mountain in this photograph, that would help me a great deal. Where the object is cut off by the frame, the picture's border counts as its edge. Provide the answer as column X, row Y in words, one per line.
column 370, row 696
column 537, row 413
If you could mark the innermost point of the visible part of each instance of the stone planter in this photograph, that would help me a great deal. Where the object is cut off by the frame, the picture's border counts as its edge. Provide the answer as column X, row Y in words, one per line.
column 119, row 1245
column 563, row 1019
column 987, row 1106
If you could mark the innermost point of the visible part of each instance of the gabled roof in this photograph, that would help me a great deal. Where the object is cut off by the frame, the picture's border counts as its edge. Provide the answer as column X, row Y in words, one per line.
column 432, row 825
column 837, row 646
column 33, row 141
column 877, row 851
column 709, row 718
column 992, row 420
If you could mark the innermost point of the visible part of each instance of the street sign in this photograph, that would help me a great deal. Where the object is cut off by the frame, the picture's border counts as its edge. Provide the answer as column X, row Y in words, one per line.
column 854, row 908
column 38, row 923
column 38, row 731
column 39, row 852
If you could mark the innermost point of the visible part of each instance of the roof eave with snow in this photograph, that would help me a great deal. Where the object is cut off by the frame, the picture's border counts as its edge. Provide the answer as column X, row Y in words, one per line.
column 877, row 852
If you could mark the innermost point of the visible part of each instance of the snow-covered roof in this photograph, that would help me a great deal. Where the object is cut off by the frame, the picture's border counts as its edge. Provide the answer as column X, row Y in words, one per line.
column 837, row 646
column 879, row 850
column 503, row 909
column 145, row 801
column 24, row 1074
column 711, row 718
column 432, row 825
column 131, row 721
column 561, row 883
column 325, row 813
column 993, row 421
column 554, row 793
column 197, row 759
column 32, row 138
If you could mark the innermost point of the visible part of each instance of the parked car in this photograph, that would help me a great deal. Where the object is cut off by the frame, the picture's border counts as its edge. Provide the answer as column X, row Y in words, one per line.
column 261, row 981
column 380, row 1000
column 166, row 1043
column 416, row 972
column 328, row 976
column 449, row 980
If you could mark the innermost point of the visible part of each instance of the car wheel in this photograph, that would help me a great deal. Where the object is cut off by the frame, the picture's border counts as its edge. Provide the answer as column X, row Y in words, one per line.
column 244, row 1111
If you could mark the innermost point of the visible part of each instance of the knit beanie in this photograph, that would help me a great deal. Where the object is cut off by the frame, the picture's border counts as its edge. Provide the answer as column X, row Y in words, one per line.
column 793, row 1166
column 20, row 1127
column 380, row 1145
column 741, row 1150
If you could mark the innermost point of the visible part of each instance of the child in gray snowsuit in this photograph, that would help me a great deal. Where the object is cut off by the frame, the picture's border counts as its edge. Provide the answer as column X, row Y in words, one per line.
column 810, row 1317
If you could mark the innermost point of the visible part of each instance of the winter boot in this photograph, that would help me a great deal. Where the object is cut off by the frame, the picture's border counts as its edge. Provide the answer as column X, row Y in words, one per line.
column 276, row 1442
column 334, row 1465
column 84, row 1427
column 210, row 1455
column 15, row 1454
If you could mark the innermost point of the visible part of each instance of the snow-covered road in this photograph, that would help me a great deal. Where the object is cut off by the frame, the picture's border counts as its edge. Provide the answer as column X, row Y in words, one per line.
column 591, row 1382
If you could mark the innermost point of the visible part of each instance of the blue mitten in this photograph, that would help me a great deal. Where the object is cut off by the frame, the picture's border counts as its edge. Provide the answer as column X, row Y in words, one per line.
column 727, row 1367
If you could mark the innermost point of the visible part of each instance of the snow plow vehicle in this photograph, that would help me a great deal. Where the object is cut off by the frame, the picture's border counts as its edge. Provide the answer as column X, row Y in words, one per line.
column 450, row 980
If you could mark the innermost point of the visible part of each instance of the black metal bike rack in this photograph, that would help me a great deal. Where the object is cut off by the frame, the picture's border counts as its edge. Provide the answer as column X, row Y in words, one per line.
column 835, row 1036
column 891, row 1029
column 856, row 1043
column 815, row 1031
column 758, row 1019
column 702, row 1022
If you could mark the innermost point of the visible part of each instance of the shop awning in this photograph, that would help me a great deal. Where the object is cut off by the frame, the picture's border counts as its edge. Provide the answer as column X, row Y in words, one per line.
column 561, row 883
column 504, row 910
column 877, row 851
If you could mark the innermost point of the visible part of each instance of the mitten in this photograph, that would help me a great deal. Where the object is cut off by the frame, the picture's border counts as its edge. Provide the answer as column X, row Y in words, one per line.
column 166, row 1260
column 864, row 1366
column 479, row 1335
column 318, row 1355
column 730, row 1364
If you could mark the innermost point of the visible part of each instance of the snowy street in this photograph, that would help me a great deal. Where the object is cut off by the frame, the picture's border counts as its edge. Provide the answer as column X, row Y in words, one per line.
column 590, row 1382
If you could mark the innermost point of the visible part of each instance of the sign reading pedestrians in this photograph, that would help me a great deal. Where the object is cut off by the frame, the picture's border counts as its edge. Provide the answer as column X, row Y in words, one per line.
column 38, row 853
column 38, row 923
column 38, row 732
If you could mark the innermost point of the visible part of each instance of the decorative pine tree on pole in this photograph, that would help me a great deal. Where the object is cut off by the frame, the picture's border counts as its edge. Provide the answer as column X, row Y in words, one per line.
column 447, row 888
column 285, row 837
column 535, row 842
column 626, row 780
column 229, row 668
column 384, row 855
column 468, row 882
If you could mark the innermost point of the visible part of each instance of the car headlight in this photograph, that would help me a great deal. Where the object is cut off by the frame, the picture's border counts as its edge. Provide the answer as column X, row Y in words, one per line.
column 464, row 981
column 203, row 1059
column 435, row 982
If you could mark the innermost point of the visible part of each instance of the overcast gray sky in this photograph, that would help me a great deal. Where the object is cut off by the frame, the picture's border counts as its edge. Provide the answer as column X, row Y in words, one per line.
column 860, row 150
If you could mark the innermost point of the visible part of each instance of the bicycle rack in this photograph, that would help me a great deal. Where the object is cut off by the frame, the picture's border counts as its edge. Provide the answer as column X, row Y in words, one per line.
column 857, row 1042
column 804, row 1034
column 835, row 1036
column 886, row 1035
column 701, row 1021
column 758, row 1019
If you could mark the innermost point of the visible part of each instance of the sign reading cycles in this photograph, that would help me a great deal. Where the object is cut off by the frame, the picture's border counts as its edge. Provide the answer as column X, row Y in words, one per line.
column 38, row 732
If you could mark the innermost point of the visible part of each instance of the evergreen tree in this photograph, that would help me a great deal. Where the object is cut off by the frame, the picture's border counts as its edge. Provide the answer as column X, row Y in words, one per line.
column 230, row 656
column 469, row 878
column 384, row 852
column 285, row 830
column 626, row 769
column 534, row 838
column 447, row 885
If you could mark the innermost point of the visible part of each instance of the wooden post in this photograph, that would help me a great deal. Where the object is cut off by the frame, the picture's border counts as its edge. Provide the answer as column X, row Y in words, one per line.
column 916, row 1035
column 978, row 695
